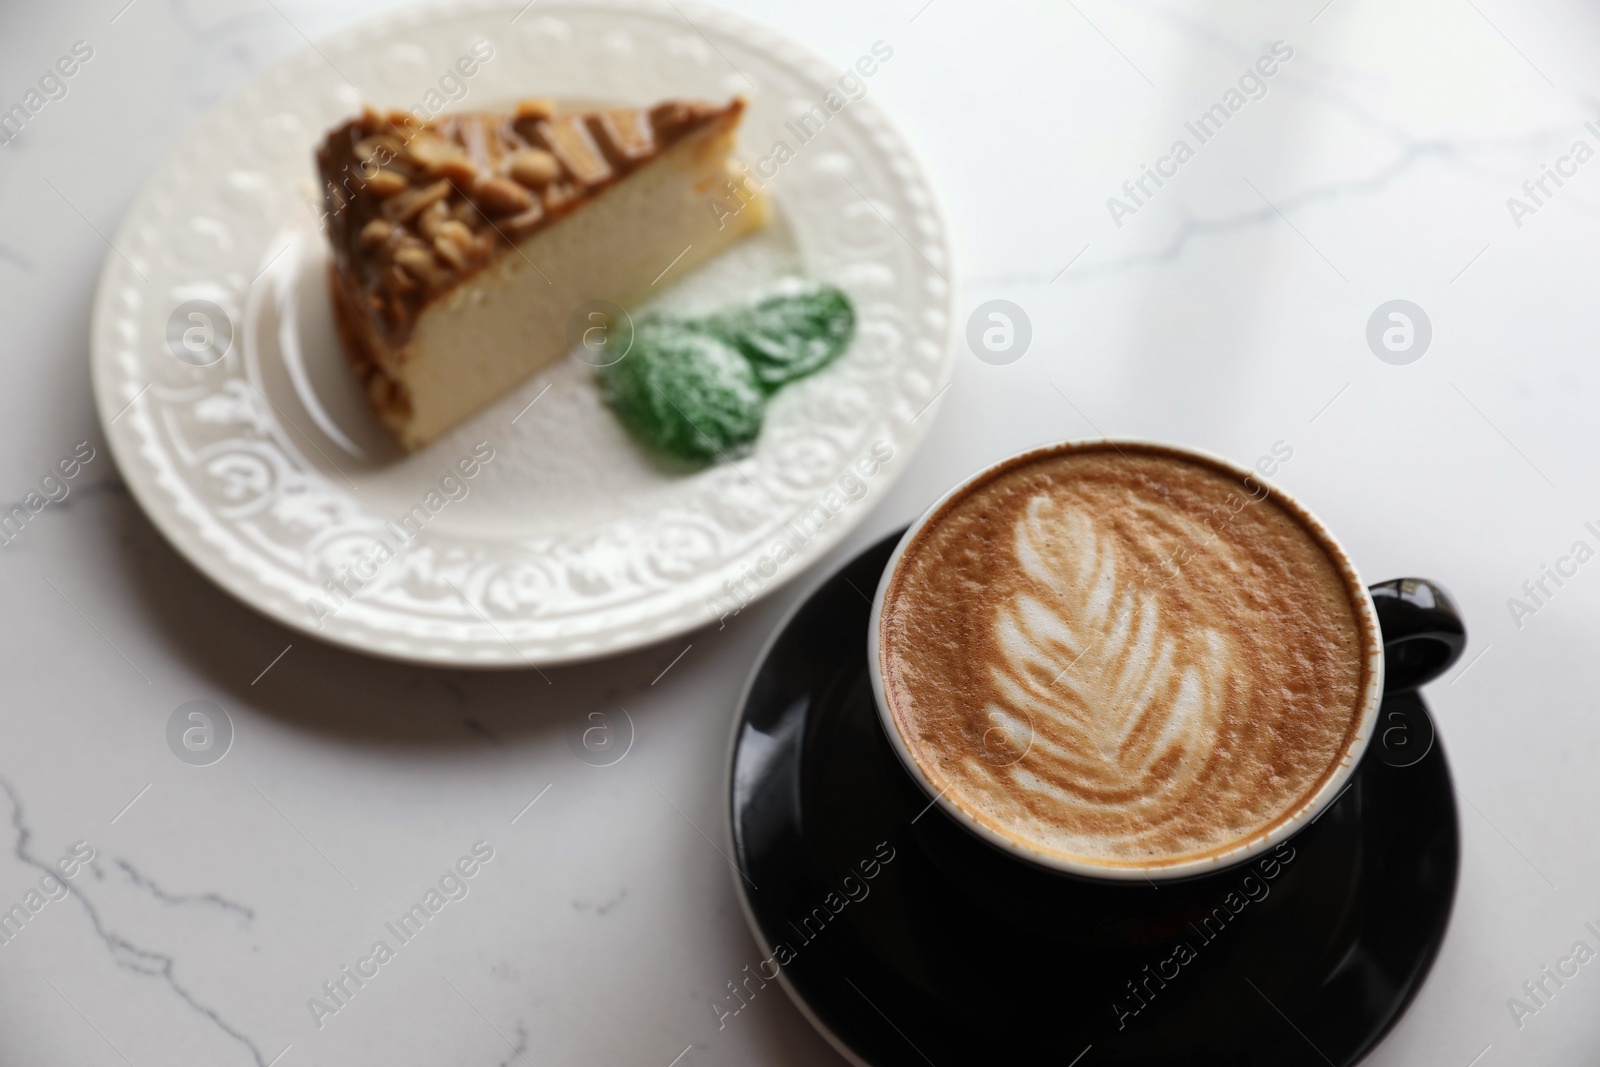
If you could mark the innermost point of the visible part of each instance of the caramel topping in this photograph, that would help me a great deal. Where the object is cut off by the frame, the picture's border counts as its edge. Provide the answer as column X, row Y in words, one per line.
column 569, row 138
column 625, row 134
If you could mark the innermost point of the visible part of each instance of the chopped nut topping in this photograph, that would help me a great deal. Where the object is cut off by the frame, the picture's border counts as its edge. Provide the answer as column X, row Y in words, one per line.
column 376, row 231
column 387, row 183
column 382, row 147
column 409, row 204
column 458, row 232
column 419, row 263
column 534, row 109
column 451, row 252
column 429, row 150
column 441, row 158
column 432, row 217
column 535, row 168
column 500, row 196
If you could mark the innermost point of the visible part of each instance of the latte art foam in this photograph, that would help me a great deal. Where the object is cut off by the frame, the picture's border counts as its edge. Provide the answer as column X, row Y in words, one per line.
column 1128, row 657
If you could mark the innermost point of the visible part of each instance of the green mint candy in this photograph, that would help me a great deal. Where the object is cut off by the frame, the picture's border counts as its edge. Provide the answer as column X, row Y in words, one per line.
column 684, row 392
column 799, row 329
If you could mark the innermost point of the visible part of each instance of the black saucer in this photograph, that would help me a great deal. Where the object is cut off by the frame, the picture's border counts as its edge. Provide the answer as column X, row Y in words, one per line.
column 884, row 919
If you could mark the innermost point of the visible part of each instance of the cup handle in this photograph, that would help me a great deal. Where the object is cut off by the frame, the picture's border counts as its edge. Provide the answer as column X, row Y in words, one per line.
column 1422, row 632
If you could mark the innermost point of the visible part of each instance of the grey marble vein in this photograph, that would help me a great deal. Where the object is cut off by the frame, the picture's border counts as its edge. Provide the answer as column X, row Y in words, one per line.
column 111, row 485
column 1192, row 228
column 519, row 1051
column 124, row 953
column 182, row 899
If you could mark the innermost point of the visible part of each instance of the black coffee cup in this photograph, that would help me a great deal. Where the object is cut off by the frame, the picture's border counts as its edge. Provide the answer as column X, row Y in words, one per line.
column 1422, row 635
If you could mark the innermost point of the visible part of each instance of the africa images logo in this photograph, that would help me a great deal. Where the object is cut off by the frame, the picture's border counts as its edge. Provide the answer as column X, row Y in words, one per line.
column 199, row 733
column 453, row 886
column 52, row 85
column 1148, row 983
column 853, row 888
column 1252, row 85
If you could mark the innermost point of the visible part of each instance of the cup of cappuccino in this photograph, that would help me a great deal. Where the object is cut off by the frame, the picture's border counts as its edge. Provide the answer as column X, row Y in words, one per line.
column 1125, row 660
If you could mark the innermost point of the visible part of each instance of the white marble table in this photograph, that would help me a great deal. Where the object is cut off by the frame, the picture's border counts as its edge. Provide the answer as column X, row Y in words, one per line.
column 1228, row 310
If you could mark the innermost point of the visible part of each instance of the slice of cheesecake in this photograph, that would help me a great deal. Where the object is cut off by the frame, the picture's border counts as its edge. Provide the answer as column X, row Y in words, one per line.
column 463, row 246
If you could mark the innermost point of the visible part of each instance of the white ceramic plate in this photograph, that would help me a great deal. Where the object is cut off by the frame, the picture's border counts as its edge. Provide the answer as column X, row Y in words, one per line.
column 266, row 469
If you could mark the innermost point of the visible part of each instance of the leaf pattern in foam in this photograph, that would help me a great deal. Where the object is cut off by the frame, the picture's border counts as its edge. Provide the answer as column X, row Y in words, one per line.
column 1112, row 706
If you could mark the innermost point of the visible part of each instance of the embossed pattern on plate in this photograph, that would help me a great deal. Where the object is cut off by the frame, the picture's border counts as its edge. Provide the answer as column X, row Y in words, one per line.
column 265, row 471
